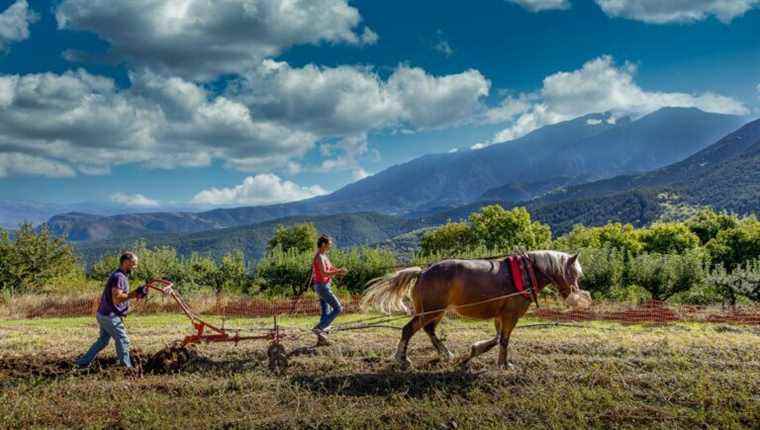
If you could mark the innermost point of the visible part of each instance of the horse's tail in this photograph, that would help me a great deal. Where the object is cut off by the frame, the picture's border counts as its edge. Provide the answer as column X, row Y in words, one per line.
column 387, row 293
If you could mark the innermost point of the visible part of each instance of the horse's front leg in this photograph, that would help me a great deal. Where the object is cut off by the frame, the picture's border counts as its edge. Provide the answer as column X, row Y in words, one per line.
column 483, row 346
column 508, row 323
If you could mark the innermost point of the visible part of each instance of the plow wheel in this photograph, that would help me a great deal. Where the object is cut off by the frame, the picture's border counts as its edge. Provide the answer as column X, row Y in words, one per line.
column 278, row 358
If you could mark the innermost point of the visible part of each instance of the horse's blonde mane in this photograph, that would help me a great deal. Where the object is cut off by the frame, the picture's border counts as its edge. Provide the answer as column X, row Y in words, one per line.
column 554, row 262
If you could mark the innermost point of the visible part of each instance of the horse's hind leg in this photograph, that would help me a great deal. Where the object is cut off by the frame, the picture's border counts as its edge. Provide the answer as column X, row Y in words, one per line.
column 407, row 332
column 444, row 352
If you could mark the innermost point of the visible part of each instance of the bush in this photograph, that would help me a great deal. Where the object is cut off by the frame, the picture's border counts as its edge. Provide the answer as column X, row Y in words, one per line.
column 707, row 224
column 363, row 264
column 187, row 274
column 742, row 281
column 499, row 229
column 283, row 272
column 735, row 246
column 451, row 238
column 671, row 237
column 622, row 237
column 664, row 275
column 33, row 258
column 602, row 270
column 300, row 238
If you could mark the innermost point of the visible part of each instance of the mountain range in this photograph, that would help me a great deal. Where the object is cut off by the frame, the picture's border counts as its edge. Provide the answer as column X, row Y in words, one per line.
column 724, row 175
column 585, row 149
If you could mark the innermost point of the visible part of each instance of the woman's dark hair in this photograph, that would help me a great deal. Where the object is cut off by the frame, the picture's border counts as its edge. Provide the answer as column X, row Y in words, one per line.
column 322, row 240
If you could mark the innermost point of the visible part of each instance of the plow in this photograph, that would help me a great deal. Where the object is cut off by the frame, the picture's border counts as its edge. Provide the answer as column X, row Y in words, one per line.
column 211, row 333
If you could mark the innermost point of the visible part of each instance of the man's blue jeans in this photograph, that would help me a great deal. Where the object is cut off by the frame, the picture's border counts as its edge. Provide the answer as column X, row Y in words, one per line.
column 328, row 303
column 110, row 327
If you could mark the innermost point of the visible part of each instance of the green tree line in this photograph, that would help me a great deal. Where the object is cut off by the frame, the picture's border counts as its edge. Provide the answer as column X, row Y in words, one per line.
column 707, row 258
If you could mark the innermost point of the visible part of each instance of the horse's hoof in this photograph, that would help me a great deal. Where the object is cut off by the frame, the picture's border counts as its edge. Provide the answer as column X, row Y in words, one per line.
column 403, row 362
column 508, row 366
column 447, row 357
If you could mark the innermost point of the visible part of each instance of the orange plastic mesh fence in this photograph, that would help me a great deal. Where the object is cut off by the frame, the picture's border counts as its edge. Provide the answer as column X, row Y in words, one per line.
column 649, row 312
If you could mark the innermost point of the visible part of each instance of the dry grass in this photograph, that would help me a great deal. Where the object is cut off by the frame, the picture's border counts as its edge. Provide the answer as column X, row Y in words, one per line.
column 600, row 376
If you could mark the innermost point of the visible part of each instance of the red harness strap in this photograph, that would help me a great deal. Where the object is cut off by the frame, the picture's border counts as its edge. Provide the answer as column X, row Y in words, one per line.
column 514, row 268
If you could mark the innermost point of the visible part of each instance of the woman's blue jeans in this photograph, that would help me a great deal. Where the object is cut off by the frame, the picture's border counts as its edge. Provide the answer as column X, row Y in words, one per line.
column 329, row 304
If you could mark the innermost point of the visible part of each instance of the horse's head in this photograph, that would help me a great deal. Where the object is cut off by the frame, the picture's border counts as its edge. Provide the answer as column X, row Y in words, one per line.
column 574, row 296
column 564, row 271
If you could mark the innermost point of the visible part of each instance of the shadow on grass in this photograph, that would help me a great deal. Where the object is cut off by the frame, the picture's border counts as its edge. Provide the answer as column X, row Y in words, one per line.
column 412, row 384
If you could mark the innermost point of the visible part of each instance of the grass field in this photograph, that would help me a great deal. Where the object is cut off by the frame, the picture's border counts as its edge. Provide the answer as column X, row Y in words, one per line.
column 600, row 375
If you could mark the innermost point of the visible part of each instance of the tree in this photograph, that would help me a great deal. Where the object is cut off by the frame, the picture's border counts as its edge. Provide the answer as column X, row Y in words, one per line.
column 743, row 281
column 707, row 223
column 735, row 246
column 450, row 238
column 300, row 237
column 33, row 258
column 664, row 275
column 499, row 229
column 670, row 237
column 618, row 236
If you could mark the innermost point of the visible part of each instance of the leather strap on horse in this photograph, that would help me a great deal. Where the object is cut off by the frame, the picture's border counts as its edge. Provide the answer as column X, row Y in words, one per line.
column 516, row 270
column 516, row 265
column 533, row 282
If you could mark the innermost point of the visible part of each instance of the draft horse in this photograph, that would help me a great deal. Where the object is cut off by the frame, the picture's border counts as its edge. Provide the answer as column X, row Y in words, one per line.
column 472, row 289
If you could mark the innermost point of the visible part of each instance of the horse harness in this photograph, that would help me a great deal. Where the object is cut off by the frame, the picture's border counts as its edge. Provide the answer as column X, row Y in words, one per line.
column 518, row 264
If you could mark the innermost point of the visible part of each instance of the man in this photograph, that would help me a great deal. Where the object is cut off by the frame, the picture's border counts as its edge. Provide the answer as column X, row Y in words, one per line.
column 322, row 273
column 114, row 306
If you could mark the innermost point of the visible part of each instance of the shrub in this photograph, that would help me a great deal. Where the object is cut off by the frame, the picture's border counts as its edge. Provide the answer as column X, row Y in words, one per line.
column 735, row 246
column 499, row 229
column 742, row 281
column 450, row 238
column 602, row 270
column 707, row 223
column 363, row 264
column 622, row 237
column 300, row 237
column 33, row 258
column 671, row 237
column 283, row 272
column 664, row 275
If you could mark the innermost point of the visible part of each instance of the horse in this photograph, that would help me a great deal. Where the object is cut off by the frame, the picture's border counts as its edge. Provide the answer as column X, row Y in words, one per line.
column 473, row 289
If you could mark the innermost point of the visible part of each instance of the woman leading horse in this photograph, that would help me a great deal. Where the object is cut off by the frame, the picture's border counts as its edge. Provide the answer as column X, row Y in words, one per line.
column 478, row 289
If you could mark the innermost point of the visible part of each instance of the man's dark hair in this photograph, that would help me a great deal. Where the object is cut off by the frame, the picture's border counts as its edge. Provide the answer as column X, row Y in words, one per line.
column 127, row 256
column 322, row 240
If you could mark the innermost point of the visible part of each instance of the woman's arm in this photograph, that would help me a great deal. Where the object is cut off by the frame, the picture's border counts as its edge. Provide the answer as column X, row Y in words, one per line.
column 331, row 271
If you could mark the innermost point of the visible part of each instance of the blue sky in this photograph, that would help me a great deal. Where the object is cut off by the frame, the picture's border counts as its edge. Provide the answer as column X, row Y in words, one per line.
column 193, row 103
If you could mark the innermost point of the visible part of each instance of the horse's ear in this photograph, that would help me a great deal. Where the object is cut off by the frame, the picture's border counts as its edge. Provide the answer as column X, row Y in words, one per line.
column 572, row 259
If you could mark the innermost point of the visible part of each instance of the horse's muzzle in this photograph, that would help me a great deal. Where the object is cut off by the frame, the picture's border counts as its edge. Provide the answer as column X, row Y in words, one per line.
column 579, row 299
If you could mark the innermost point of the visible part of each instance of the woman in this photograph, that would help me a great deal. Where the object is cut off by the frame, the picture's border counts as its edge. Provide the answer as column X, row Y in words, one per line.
column 322, row 272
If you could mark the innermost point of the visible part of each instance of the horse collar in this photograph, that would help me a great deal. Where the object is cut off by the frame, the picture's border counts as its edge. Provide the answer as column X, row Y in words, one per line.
column 516, row 265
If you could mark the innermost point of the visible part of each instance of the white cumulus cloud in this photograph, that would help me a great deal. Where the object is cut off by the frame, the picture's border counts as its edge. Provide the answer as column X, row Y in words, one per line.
column 262, row 189
column 541, row 5
column 82, row 120
column 14, row 23
column 201, row 39
column 13, row 164
column 134, row 200
column 676, row 11
column 347, row 100
column 599, row 86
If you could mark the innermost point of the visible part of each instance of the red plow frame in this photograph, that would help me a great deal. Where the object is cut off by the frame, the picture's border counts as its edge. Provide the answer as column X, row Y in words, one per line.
column 208, row 333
